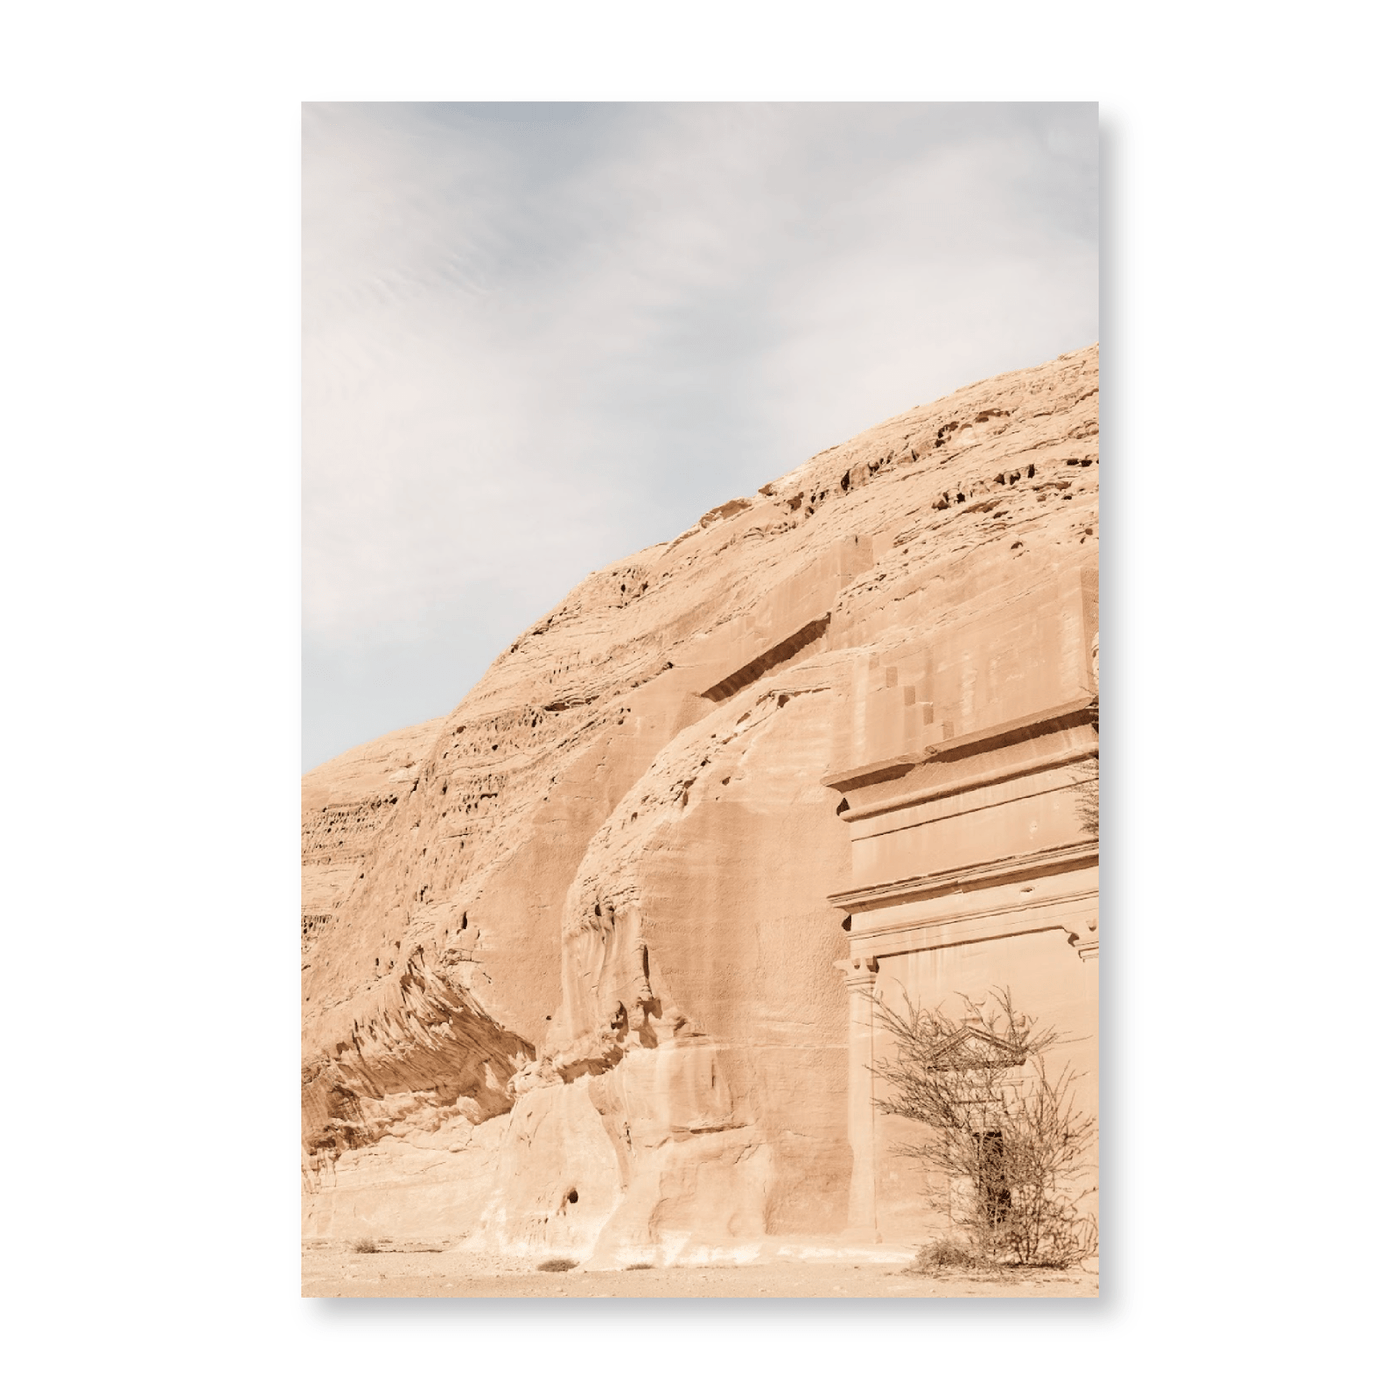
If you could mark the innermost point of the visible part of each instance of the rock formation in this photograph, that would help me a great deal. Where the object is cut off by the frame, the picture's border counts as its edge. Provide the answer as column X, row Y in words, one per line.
column 582, row 962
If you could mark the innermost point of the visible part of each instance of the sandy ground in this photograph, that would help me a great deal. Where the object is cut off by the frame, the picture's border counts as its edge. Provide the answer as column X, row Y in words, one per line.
column 417, row 1269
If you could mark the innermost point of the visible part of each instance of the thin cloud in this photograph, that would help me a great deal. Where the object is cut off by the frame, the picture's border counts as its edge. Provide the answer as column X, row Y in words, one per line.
column 537, row 338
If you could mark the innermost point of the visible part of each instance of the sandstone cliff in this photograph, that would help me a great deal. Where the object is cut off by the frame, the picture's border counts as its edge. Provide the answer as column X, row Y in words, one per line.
column 567, row 953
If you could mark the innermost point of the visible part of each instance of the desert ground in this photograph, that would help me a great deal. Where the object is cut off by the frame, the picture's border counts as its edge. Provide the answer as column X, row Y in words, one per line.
column 423, row 1269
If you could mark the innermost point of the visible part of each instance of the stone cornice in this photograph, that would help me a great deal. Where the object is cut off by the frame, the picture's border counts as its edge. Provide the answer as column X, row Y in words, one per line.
column 1052, row 861
column 1083, row 709
column 951, row 786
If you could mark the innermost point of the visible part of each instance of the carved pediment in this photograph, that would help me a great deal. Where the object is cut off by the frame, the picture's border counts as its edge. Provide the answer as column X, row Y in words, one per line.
column 974, row 1046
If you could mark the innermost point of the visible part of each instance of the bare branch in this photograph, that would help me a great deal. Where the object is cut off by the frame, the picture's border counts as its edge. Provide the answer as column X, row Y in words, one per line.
column 1007, row 1137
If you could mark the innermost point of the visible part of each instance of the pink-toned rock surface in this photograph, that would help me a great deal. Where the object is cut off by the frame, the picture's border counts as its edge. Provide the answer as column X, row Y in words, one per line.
column 575, row 981
column 344, row 805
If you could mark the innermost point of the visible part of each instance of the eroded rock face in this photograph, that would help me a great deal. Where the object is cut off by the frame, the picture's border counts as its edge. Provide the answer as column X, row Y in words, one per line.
column 568, row 953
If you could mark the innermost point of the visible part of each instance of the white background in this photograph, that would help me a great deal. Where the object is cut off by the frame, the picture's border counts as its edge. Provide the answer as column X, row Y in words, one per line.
column 150, row 381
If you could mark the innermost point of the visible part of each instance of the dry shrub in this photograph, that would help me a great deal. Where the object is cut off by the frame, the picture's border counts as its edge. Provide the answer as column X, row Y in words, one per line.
column 1005, row 1135
column 630, row 1267
column 942, row 1254
column 366, row 1246
column 557, row 1266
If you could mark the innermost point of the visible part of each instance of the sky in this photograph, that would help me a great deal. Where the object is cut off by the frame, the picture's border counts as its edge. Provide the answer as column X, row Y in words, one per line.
column 537, row 338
